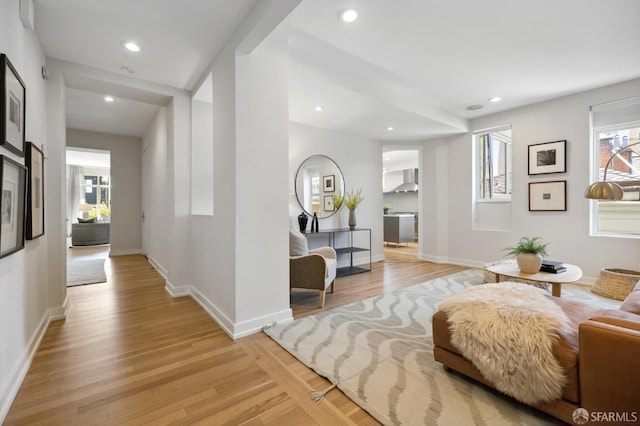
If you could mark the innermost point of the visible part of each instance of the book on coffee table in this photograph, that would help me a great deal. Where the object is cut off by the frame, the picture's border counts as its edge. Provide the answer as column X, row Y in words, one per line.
column 552, row 266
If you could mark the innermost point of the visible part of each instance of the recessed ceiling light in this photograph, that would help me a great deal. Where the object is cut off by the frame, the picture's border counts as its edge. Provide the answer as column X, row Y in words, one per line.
column 109, row 99
column 474, row 107
column 131, row 46
column 495, row 99
column 389, row 128
column 348, row 15
column 128, row 70
column 318, row 108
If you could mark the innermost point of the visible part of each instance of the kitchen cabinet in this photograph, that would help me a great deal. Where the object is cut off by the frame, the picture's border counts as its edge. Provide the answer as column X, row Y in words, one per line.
column 399, row 228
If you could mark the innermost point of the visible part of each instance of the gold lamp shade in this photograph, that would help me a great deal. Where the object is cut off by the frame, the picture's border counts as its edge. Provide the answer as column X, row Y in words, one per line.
column 604, row 191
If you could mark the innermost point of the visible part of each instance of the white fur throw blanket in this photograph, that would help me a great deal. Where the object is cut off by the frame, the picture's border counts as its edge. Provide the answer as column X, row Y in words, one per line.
column 507, row 331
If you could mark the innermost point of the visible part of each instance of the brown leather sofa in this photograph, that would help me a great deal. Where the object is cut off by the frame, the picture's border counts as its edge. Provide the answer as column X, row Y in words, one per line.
column 600, row 356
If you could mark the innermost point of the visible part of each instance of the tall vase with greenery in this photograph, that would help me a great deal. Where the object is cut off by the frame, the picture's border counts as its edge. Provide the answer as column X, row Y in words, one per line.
column 352, row 200
column 528, row 253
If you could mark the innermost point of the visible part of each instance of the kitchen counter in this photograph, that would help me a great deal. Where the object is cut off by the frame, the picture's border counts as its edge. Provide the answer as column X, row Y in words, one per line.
column 399, row 228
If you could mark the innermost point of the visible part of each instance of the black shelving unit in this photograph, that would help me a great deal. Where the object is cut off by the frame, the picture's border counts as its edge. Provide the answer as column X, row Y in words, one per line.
column 347, row 250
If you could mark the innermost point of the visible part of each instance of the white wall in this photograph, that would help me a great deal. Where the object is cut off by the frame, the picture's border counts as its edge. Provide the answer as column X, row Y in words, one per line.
column 158, row 213
column 360, row 160
column 31, row 293
column 567, row 232
column 201, row 156
column 213, row 258
column 126, row 185
column 407, row 202
column 262, row 116
column 239, row 256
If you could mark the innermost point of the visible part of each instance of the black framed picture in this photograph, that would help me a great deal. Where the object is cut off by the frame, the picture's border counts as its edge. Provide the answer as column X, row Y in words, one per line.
column 548, row 196
column 548, row 157
column 12, row 107
column 329, row 183
column 13, row 181
column 35, row 191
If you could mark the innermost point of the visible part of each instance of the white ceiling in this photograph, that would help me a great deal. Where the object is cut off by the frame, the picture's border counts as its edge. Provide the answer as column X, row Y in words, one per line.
column 414, row 65
column 179, row 40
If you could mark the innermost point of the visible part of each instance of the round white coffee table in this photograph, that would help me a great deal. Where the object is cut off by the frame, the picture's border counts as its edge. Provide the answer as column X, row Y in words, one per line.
column 510, row 269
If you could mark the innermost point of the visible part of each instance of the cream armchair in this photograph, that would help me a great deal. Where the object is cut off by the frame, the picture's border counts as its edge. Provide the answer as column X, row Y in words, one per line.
column 311, row 269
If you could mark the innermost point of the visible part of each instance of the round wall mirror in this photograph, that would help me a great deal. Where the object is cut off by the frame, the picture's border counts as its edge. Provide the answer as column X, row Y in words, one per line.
column 318, row 181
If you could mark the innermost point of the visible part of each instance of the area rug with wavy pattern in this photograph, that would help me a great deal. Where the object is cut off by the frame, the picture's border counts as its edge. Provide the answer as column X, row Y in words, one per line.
column 379, row 352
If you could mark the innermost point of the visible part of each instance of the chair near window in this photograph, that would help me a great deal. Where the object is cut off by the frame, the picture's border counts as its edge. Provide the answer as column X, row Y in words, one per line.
column 311, row 269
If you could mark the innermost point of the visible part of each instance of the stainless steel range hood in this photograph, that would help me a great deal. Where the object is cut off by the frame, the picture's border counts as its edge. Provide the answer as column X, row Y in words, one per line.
column 409, row 181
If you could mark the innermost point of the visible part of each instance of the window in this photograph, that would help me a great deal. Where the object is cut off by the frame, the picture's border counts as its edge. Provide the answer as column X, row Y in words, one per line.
column 96, row 199
column 616, row 126
column 493, row 148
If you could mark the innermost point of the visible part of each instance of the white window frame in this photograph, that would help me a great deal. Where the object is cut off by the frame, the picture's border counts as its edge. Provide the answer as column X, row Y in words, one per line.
column 611, row 206
column 478, row 150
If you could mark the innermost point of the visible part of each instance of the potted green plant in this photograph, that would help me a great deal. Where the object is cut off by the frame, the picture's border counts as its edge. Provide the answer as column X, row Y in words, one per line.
column 528, row 253
column 352, row 200
column 386, row 209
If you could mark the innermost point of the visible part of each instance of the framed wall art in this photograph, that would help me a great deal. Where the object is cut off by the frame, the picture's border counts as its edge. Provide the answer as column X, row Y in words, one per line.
column 548, row 196
column 548, row 157
column 35, row 191
column 12, row 107
column 329, row 183
column 329, row 206
column 13, row 179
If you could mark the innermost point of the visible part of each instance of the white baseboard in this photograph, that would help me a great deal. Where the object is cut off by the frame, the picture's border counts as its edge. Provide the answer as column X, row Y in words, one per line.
column 467, row 262
column 124, row 252
column 60, row 312
column 218, row 316
column 176, row 291
column 233, row 330
column 257, row 324
column 158, row 267
column 10, row 391
column 434, row 259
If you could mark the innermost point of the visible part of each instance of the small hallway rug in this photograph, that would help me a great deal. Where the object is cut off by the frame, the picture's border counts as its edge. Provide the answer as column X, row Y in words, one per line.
column 379, row 352
column 85, row 271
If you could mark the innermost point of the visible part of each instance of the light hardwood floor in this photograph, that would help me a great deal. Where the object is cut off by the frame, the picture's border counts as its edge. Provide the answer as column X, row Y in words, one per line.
column 130, row 354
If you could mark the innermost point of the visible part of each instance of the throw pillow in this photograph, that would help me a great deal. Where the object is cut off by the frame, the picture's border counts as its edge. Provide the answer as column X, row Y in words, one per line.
column 632, row 301
column 297, row 244
column 81, row 220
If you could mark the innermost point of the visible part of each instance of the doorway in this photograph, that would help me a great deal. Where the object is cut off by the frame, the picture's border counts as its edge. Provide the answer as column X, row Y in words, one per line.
column 88, row 216
column 401, row 198
column 88, row 186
